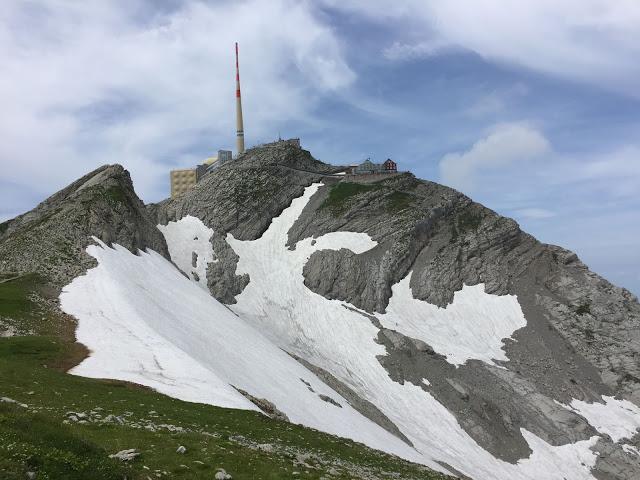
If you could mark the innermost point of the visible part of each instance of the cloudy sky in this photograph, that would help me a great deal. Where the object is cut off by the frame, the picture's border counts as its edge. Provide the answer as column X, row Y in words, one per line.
column 530, row 107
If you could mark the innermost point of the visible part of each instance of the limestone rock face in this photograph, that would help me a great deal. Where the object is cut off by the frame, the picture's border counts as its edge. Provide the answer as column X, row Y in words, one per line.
column 50, row 239
column 241, row 197
column 582, row 338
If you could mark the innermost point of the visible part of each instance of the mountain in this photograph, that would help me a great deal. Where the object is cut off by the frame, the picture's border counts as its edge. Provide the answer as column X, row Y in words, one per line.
column 396, row 312
column 51, row 239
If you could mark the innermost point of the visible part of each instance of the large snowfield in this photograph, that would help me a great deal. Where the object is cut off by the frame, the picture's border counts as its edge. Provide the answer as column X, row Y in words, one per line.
column 145, row 322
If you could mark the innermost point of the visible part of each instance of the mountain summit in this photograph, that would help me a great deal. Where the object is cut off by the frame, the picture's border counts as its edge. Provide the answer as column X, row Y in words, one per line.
column 393, row 311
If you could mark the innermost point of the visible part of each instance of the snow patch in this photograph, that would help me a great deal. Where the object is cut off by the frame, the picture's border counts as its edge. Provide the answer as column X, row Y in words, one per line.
column 144, row 322
column 472, row 327
column 186, row 237
column 617, row 418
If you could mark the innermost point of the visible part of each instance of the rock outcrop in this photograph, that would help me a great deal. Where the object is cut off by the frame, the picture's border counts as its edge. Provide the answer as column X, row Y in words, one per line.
column 51, row 239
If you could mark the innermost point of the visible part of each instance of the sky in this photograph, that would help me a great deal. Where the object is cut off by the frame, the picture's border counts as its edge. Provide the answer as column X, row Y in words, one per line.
column 531, row 108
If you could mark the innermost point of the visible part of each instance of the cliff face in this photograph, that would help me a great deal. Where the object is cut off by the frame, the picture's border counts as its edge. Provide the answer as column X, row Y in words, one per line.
column 51, row 239
column 581, row 340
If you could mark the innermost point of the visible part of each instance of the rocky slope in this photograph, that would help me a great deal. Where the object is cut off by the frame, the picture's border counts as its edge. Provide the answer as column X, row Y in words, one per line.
column 51, row 239
column 560, row 389
column 581, row 340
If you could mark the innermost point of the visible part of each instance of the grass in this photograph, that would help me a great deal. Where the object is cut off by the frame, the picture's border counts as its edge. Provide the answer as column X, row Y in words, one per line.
column 42, row 437
column 340, row 194
column 14, row 295
column 39, row 444
column 115, row 194
column 23, row 306
column 397, row 201
column 466, row 221
column 337, row 201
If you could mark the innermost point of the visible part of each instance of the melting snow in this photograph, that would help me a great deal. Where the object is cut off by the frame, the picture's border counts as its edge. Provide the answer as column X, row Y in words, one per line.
column 472, row 327
column 186, row 237
column 144, row 322
column 617, row 418
column 342, row 341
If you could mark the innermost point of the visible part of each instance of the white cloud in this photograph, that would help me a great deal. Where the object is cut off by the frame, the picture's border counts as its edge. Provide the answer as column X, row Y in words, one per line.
column 593, row 41
column 505, row 145
column 86, row 83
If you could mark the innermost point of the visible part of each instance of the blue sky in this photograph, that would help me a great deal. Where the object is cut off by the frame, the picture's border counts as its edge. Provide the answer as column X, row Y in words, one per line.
column 533, row 111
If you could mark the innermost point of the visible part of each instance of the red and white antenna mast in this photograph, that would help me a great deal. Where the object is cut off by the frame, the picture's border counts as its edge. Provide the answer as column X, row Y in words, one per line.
column 239, row 123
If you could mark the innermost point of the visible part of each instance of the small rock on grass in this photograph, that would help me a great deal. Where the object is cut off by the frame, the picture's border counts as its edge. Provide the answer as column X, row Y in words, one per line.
column 11, row 400
column 221, row 474
column 125, row 455
column 181, row 449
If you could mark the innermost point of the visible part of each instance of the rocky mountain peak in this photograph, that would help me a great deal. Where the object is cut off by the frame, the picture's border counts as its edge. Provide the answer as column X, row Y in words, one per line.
column 284, row 153
column 51, row 238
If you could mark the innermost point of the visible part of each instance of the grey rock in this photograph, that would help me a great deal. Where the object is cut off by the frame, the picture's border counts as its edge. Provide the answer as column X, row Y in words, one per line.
column 328, row 399
column 126, row 455
column 265, row 406
column 15, row 402
column 614, row 463
column 181, row 449
column 113, row 419
column 51, row 239
column 266, row 447
column 221, row 474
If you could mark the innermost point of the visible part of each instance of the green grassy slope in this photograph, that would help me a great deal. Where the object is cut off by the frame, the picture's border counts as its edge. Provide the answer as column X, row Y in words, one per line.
column 65, row 427
column 343, row 193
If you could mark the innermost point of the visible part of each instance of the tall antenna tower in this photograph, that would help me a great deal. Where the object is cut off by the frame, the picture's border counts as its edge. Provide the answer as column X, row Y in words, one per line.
column 239, row 123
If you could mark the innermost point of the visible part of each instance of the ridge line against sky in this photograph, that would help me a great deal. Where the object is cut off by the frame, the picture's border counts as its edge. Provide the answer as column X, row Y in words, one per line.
column 531, row 109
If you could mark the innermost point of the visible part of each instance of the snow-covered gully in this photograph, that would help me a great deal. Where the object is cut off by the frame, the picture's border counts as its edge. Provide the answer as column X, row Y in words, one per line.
column 145, row 322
